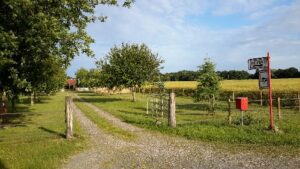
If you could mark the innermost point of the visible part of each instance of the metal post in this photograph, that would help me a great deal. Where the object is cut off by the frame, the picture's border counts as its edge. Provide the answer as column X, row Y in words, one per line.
column 242, row 118
column 270, row 92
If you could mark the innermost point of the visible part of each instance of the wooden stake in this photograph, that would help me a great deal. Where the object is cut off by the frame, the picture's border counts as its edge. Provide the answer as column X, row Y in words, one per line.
column 229, row 111
column 298, row 102
column 172, row 111
column 261, row 100
column 147, row 105
column 69, row 117
column 279, row 108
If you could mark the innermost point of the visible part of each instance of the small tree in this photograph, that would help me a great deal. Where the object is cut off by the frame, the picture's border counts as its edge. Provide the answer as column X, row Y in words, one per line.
column 208, row 84
column 129, row 65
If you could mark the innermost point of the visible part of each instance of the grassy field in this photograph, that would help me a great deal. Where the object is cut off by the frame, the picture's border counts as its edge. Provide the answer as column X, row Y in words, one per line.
column 242, row 85
column 194, row 123
column 35, row 139
column 103, row 123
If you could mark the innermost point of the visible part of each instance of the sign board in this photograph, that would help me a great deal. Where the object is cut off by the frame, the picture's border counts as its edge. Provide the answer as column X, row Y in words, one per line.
column 263, row 79
column 258, row 63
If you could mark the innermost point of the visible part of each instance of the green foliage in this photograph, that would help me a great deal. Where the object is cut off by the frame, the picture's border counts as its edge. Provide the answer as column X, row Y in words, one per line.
column 36, row 36
column 129, row 65
column 184, row 75
column 234, row 74
column 88, row 78
column 208, row 83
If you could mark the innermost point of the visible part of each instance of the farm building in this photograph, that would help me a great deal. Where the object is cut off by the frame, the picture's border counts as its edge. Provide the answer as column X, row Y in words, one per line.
column 71, row 84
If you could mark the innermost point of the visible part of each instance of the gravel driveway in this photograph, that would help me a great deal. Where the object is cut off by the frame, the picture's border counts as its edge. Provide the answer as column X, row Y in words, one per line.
column 154, row 150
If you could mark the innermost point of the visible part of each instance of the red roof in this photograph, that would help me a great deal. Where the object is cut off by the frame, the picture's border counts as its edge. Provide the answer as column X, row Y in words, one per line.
column 71, row 82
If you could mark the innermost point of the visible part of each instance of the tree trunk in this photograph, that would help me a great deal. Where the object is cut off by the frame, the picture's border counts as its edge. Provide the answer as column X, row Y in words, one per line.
column 133, row 95
column 13, row 104
column 32, row 99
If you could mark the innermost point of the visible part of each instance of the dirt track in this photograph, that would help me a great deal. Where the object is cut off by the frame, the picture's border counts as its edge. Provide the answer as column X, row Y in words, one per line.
column 154, row 150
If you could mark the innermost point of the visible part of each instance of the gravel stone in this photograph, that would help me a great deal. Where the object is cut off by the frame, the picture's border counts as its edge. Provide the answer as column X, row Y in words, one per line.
column 154, row 150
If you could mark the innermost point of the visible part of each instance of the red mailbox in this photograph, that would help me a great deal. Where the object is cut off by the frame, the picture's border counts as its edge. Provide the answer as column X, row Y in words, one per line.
column 242, row 103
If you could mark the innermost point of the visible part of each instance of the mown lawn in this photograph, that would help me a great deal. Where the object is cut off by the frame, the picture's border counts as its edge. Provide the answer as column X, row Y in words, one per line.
column 194, row 123
column 35, row 139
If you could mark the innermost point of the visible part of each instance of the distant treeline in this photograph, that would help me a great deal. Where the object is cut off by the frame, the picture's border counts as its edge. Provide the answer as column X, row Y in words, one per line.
column 187, row 75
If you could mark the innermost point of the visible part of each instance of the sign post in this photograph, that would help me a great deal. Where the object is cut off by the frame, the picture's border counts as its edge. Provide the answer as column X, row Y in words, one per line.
column 264, row 68
column 270, row 93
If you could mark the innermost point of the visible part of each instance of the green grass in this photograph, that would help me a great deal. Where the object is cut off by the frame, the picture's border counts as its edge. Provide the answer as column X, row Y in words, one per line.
column 241, row 85
column 36, row 138
column 194, row 123
column 102, row 123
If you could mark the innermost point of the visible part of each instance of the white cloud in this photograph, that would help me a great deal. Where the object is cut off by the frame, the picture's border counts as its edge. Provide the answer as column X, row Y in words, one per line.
column 162, row 25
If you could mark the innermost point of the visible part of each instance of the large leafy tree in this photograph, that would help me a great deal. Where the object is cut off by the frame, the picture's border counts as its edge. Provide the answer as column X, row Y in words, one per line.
column 208, row 84
column 33, row 32
column 129, row 65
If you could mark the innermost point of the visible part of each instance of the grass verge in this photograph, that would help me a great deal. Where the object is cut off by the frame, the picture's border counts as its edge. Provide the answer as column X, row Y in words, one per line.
column 194, row 123
column 103, row 123
column 35, row 139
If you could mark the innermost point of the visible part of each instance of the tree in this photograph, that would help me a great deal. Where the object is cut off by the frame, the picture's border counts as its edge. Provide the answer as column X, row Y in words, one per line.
column 35, row 31
column 129, row 65
column 82, row 77
column 88, row 78
column 208, row 84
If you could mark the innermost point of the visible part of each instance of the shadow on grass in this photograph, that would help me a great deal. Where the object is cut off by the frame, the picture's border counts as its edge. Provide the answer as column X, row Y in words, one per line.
column 14, row 120
column 98, row 100
column 133, row 113
column 200, row 107
column 53, row 132
column 2, row 166
column 88, row 93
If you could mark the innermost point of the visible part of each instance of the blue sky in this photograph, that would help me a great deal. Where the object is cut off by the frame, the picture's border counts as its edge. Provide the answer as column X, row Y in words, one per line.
column 184, row 32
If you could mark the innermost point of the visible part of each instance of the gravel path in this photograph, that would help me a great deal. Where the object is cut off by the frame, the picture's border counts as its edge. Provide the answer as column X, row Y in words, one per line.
column 154, row 150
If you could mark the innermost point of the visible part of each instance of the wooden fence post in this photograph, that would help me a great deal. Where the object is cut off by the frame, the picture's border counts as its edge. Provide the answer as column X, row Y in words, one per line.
column 229, row 111
column 298, row 102
column 233, row 97
column 147, row 112
column 172, row 110
column 69, row 117
column 261, row 98
column 279, row 108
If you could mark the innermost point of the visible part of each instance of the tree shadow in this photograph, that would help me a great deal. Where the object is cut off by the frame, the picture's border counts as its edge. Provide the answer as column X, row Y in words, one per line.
column 2, row 165
column 133, row 113
column 201, row 107
column 52, row 132
column 98, row 100
column 87, row 94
